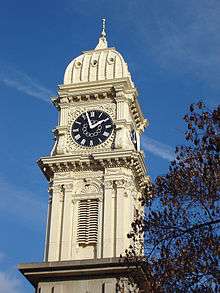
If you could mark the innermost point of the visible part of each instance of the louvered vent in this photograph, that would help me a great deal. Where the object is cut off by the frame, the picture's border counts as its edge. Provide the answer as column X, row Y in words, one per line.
column 88, row 221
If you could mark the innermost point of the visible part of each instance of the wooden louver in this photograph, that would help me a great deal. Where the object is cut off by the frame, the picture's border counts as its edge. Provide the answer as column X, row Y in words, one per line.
column 88, row 221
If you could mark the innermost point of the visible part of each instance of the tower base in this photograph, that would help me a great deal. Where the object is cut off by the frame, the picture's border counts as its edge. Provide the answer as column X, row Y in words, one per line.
column 106, row 275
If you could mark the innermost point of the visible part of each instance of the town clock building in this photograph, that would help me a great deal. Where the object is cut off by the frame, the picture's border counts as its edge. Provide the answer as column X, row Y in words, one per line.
column 96, row 173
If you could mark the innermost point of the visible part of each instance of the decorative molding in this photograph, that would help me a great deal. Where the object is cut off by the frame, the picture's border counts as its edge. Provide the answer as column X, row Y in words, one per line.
column 70, row 145
column 58, row 189
column 92, row 88
column 138, row 117
column 90, row 188
column 108, row 184
column 77, row 197
column 68, row 187
column 97, row 162
column 120, row 183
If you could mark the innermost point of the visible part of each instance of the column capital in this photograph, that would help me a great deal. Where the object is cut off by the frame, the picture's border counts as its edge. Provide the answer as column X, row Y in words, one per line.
column 108, row 184
column 121, row 183
column 68, row 187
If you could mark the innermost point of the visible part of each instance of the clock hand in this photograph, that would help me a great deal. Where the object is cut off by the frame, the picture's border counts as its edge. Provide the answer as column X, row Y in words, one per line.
column 90, row 123
column 98, row 123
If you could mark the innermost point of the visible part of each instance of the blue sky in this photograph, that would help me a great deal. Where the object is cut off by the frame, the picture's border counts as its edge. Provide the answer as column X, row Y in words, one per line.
column 172, row 49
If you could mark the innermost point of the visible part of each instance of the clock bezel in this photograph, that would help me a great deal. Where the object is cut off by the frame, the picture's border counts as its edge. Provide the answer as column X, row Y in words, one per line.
column 100, row 145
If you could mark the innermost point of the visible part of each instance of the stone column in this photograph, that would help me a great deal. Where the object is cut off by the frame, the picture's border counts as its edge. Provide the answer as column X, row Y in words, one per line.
column 121, row 210
column 100, row 228
column 122, row 106
column 108, row 222
column 55, row 228
column 122, row 139
column 47, row 238
column 67, row 223
column 63, row 116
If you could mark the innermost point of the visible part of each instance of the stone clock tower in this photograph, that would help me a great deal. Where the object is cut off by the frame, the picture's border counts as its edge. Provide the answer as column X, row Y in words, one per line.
column 96, row 173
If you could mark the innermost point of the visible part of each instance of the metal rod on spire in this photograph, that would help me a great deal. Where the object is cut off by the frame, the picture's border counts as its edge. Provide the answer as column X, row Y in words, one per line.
column 102, row 39
column 103, row 34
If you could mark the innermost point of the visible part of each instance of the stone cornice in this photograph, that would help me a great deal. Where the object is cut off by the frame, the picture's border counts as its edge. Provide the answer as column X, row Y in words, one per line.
column 99, row 92
column 75, row 269
column 93, row 91
column 139, row 119
column 84, row 88
column 81, row 162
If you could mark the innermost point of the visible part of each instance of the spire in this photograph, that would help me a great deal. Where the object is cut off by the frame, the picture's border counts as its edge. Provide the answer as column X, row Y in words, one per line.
column 103, row 34
column 102, row 44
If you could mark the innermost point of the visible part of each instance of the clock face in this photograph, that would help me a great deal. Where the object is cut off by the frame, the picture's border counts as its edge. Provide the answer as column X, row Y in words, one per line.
column 134, row 138
column 92, row 128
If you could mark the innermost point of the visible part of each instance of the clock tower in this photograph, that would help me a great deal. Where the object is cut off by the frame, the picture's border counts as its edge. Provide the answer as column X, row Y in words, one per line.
column 96, row 174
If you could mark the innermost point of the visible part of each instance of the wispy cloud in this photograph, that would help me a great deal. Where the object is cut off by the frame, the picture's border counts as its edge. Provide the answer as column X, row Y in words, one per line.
column 22, row 205
column 24, row 83
column 157, row 148
column 182, row 37
column 9, row 283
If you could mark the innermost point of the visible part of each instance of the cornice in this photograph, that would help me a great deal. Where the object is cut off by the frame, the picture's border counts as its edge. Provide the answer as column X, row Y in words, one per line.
column 84, row 88
column 75, row 269
column 82, row 162
column 112, row 90
column 138, row 116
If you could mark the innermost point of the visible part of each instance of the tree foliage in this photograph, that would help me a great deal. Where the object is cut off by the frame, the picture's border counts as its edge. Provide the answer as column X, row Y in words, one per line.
column 181, row 222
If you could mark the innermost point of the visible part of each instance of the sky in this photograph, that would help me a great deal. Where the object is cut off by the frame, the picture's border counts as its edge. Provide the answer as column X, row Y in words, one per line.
column 172, row 50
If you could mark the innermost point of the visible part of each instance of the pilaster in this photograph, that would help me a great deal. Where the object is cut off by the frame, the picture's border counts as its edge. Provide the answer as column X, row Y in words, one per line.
column 109, row 222
column 48, row 228
column 121, row 211
column 67, row 223
column 56, row 223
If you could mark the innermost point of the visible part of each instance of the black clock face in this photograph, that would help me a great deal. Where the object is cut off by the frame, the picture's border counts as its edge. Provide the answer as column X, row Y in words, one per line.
column 92, row 128
column 134, row 138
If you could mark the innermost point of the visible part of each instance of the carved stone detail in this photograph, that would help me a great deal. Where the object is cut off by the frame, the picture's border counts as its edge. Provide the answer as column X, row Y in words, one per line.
column 70, row 145
column 131, row 160
column 109, row 184
column 59, row 190
column 120, row 183
column 123, row 138
column 68, row 187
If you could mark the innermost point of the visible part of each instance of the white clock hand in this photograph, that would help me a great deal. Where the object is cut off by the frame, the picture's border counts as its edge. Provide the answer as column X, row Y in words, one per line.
column 98, row 123
column 90, row 123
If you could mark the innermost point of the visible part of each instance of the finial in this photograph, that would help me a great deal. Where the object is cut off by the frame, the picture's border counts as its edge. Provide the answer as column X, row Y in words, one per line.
column 102, row 44
column 103, row 34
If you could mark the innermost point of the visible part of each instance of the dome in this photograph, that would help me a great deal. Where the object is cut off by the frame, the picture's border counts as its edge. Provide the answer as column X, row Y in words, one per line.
column 100, row 64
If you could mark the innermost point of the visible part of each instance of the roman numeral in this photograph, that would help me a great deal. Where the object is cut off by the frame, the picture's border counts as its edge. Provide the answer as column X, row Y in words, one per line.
column 92, row 114
column 91, row 143
column 106, row 133
column 78, row 122
column 77, row 136
column 108, row 126
column 76, row 130
column 99, row 139
column 83, row 141
column 100, row 114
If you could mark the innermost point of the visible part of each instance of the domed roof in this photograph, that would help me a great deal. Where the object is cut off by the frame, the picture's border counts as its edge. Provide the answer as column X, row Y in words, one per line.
column 100, row 64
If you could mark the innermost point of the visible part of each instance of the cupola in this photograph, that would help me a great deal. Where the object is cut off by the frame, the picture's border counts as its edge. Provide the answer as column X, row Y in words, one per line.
column 96, row 65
